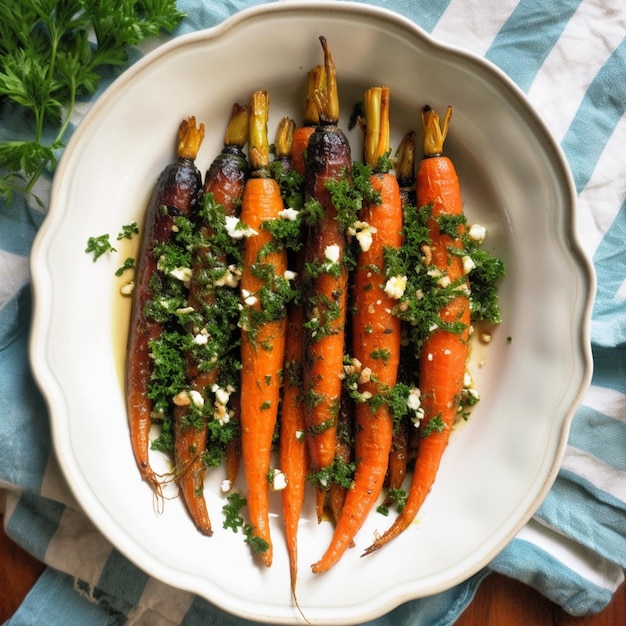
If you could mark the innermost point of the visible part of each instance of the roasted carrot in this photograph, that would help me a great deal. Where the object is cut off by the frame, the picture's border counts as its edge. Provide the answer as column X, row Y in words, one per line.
column 292, row 447
column 444, row 353
column 263, row 325
column 399, row 454
column 176, row 192
column 375, row 333
column 343, row 454
column 302, row 134
column 328, row 159
column 228, row 172
column 225, row 181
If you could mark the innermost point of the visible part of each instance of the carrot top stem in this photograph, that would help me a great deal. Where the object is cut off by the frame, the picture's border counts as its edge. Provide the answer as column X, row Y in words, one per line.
column 316, row 82
column 237, row 129
column 327, row 95
column 259, row 145
column 434, row 132
column 284, row 137
column 190, row 138
column 376, row 104
column 405, row 159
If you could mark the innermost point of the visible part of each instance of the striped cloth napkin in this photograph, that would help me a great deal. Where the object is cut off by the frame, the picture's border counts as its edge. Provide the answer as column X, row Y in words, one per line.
column 569, row 57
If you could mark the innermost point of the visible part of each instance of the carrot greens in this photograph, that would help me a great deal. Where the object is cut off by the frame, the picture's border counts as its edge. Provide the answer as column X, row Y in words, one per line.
column 49, row 59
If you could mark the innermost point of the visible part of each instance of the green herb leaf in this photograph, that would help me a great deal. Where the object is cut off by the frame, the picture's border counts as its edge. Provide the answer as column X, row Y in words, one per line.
column 48, row 58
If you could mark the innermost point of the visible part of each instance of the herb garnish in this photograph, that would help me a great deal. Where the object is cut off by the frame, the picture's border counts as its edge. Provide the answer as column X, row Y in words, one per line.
column 234, row 521
column 51, row 53
column 99, row 245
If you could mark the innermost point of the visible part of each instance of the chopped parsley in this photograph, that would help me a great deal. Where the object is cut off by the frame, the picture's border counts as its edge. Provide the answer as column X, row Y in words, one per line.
column 99, row 245
column 234, row 521
column 339, row 472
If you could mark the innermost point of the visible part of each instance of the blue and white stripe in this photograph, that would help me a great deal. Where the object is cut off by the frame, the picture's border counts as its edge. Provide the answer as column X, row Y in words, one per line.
column 569, row 57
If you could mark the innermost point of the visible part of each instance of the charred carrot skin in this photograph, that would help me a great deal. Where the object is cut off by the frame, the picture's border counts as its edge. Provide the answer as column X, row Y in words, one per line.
column 263, row 328
column 375, row 337
column 328, row 158
column 444, row 354
column 343, row 454
column 175, row 193
column 227, row 174
column 225, row 180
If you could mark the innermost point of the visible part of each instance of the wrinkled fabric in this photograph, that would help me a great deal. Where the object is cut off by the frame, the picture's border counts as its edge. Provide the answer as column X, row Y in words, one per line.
column 574, row 549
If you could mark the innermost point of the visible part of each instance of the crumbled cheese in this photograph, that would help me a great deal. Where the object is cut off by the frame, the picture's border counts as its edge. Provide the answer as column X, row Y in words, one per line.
column 414, row 403
column 201, row 338
column 332, row 253
column 363, row 233
column 467, row 380
column 196, row 398
column 249, row 298
column 182, row 398
column 289, row 214
column 365, row 376
column 185, row 310
column 477, row 233
column 468, row 264
column 182, row 273
column 443, row 282
column 226, row 485
column 395, row 287
column 222, row 395
column 428, row 254
column 128, row 288
column 290, row 275
column 230, row 278
column 279, row 480
column 236, row 230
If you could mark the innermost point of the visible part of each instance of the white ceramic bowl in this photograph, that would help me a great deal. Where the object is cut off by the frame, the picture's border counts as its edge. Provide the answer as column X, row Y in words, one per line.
column 515, row 181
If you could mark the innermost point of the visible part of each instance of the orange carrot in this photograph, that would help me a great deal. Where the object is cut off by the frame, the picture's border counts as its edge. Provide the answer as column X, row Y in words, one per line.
column 444, row 353
column 343, row 454
column 398, row 460
column 399, row 455
column 328, row 159
column 225, row 180
column 302, row 134
column 177, row 190
column 375, row 334
column 263, row 325
column 292, row 447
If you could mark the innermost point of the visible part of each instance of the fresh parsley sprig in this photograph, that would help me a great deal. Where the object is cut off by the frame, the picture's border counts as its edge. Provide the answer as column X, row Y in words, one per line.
column 53, row 52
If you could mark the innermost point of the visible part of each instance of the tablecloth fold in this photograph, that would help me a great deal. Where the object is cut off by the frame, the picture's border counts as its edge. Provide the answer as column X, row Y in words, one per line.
column 569, row 57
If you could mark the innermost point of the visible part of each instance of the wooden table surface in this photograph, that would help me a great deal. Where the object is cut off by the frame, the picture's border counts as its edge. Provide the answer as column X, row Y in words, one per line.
column 500, row 601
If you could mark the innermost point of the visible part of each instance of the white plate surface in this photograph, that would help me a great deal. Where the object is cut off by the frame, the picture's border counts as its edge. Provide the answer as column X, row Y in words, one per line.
column 497, row 468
